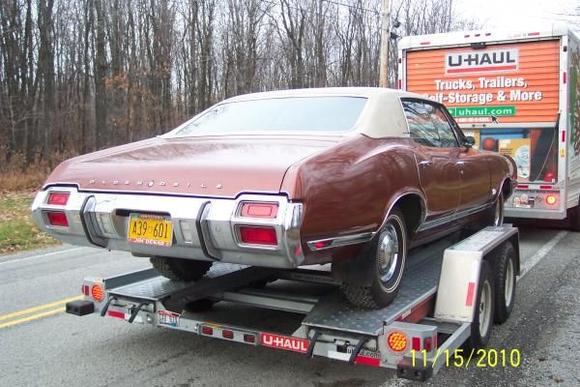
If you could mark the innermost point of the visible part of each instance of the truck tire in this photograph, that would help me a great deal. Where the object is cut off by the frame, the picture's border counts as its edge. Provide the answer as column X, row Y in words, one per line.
column 483, row 317
column 178, row 269
column 387, row 256
column 505, row 282
column 574, row 218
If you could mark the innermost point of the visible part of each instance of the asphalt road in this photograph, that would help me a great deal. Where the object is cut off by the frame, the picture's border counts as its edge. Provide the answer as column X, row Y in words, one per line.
column 40, row 345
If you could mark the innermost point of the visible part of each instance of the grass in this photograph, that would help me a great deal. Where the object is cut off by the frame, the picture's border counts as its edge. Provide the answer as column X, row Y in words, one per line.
column 17, row 230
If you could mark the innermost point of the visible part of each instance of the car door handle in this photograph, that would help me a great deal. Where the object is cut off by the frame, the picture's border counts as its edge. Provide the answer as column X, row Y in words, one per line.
column 425, row 162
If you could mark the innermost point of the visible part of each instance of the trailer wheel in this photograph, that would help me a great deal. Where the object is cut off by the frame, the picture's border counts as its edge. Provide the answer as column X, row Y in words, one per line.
column 387, row 255
column 178, row 269
column 482, row 324
column 505, row 285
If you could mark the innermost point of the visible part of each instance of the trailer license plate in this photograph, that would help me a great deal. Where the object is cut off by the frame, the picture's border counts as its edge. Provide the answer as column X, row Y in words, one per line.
column 150, row 230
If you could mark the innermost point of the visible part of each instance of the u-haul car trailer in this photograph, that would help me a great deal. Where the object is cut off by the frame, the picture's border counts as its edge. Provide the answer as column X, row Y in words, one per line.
column 517, row 93
column 451, row 294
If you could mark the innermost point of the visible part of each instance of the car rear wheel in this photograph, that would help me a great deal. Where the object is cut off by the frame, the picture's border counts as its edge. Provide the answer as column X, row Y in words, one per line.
column 387, row 257
column 496, row 218
column 178, row 269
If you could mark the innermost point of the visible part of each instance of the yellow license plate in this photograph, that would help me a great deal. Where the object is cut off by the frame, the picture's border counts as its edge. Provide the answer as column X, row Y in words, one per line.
column 150, row 230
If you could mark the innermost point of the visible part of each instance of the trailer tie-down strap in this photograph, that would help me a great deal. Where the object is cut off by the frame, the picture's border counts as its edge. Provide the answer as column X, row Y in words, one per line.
column 313, row 340
column 136, row 311
column 106, row 306
column 362, row 341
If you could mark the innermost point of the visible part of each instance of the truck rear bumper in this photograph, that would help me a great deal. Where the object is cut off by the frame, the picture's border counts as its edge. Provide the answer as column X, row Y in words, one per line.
column 203, row 228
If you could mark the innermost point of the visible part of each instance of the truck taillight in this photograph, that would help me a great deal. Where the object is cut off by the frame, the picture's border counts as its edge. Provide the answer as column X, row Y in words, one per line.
column 397, row 341
column 551, row 199
column 259, row 210
column 257, row 235
column 57, row 218
column 58, row 198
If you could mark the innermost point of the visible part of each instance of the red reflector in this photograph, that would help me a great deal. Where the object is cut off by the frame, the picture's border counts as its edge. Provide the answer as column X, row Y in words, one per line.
column 424, row 43
column 260, row 210
column 416, row 343
column 367, row 360
column 545, row 187
column 564, row 77
column 258, row 235
column 321, row 244
column 114, row 313
column 207, row 331
column 563, row 136
column 227, row 334
column 249, row 338
column 86, row 290
column 57, row 218
column 400, row 84
column 522, row 186
column 428, row 344
column 470, row 294
column 533, row 33
column 58, row 198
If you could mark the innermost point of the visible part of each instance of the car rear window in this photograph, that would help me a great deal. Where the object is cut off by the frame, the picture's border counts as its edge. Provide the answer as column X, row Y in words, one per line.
column 295, row 114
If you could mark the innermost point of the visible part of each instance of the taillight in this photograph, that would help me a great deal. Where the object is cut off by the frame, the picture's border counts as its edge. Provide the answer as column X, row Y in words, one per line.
column 551, row 200
column 227, row 334
column 58, row 198
column 397, row 341
column 57, row 218
column 97, row 292
column 259, row 210
column 256, row 235
column 205, row 330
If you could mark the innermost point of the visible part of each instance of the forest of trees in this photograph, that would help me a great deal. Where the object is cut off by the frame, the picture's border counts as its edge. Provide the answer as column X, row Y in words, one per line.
column 80, row 75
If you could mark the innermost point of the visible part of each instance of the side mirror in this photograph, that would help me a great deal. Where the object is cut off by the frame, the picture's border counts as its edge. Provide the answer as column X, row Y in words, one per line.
column 468, row 141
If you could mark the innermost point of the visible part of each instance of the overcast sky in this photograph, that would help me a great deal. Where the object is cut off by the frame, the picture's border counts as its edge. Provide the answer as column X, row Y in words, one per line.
column 517, row 14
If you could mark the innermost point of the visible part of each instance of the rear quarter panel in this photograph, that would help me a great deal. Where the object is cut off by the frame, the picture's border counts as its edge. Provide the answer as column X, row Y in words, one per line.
column 349, row 188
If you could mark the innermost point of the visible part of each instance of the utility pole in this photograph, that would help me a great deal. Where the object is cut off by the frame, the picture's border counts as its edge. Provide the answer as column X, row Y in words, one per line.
column 385, row 38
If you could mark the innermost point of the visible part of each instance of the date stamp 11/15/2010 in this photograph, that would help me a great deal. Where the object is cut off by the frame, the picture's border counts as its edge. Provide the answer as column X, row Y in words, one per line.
column 461, row 358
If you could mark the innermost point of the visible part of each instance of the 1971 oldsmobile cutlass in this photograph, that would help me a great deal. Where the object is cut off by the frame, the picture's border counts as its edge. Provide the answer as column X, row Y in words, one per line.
column 351, row 176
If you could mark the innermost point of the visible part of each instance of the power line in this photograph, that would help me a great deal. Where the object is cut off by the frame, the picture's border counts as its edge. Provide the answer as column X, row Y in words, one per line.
column 352, row 6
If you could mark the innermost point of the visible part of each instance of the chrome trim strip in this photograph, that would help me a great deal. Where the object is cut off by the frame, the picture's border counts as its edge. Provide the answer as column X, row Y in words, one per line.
column 346, row 240
column 450, row 218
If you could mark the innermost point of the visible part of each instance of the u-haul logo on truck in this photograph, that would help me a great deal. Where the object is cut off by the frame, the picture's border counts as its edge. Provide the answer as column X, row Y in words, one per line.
column 481, row 61
column 284, row 342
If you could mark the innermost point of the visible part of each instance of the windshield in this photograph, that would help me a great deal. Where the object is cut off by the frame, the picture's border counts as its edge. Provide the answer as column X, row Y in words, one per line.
column 295, row 114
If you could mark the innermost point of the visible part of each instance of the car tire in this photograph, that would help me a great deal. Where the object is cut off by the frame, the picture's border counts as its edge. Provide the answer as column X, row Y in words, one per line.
column 387, row 255
column 505, row 286
column 178, row 269
column 483, row 317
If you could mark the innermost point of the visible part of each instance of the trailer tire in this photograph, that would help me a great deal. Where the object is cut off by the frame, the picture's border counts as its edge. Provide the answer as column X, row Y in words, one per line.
column 178, row 269
column 387, row 256
column 505, row 282
column 483, row 317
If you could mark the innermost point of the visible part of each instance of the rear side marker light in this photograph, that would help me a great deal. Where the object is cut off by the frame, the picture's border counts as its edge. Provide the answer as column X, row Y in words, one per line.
column 58, row 198
column 97, row 293
column 249, row 338
column 258, row 235
column 227, row 334
column 259, row 210
column 57, row 218
column 85, row 290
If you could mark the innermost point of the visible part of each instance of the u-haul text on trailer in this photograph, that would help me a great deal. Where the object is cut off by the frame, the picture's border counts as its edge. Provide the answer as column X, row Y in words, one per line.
column 514, row 93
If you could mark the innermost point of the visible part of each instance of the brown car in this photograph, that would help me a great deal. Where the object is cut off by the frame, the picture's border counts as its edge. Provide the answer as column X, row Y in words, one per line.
column 351, row 176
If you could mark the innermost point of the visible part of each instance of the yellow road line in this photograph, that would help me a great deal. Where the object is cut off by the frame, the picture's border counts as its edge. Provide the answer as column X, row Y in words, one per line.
column 33, row 317
column 37, row 308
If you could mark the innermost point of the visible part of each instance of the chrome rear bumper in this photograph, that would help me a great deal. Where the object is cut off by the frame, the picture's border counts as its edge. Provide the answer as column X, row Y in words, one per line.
column 203, row 228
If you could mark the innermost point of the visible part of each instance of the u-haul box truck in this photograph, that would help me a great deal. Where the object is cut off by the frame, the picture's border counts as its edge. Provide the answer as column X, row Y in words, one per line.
column 517, row 93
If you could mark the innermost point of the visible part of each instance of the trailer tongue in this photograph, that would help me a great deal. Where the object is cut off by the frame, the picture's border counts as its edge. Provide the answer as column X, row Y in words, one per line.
column 442, row 304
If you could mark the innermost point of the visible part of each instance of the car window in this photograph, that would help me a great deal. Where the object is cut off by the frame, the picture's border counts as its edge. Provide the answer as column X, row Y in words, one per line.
column 282, row 115
column 428, row 124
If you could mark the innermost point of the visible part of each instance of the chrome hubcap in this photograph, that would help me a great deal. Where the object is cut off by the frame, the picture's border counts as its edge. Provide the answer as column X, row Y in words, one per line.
column 509, row 282
column 388, row 253
column 485, row 308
